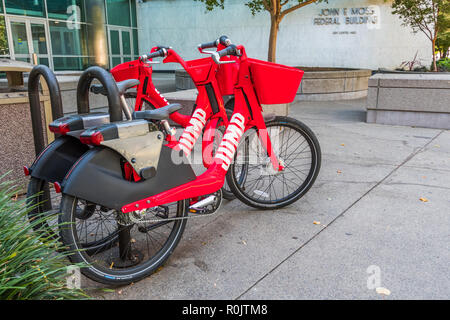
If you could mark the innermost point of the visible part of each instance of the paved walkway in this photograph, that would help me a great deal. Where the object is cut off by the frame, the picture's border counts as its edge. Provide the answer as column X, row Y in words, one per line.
column 374, row 228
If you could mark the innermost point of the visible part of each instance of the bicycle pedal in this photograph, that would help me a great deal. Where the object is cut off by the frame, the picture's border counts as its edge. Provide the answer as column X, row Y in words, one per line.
column 206, row 206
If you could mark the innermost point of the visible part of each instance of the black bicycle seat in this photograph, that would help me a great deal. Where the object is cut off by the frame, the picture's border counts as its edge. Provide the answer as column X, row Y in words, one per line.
column 157, row 114
column 123, row 86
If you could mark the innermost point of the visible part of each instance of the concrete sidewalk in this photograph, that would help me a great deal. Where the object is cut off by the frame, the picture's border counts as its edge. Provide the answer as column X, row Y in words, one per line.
column 374, row 228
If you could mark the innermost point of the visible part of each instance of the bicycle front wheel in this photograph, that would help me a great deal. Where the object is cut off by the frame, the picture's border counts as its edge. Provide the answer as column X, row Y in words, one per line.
column 298, row 152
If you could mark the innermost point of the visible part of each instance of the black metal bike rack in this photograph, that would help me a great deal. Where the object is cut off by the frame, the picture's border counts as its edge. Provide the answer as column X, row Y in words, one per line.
column 35, row 106
column 108, row 82
column 84, row 83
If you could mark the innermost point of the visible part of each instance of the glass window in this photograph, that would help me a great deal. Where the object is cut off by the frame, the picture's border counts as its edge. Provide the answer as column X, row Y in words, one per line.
column 66, row 9
column 115, row 43
column 68, row 41
column 20, row 38
column 43, row 61
column 23, row 59
column 38, row 36
column 135, row 42
column 133, row 13
column 115, row 61
column 118, row 12
column 25, row 7
column 70, row 63
column 4, row 49
column 126, row 43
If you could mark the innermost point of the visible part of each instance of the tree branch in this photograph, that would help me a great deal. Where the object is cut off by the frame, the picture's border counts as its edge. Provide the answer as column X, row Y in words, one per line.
column 266, row 5
column 298, row 6
column 424, row 30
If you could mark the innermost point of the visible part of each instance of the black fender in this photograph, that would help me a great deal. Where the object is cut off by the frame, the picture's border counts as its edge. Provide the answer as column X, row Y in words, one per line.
column 53, row 163
column 97, row 177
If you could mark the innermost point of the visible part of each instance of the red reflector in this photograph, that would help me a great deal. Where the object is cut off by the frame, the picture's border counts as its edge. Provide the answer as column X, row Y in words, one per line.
column 26, row 171
column 96, row 138
column 57, row 187
column 61, row 129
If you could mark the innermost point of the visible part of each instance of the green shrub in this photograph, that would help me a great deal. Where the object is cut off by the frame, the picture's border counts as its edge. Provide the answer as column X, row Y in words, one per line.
column 30, row 265
column 443, row 65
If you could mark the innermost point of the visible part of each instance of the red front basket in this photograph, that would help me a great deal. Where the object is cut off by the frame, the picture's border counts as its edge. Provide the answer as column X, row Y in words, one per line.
column 126, row 70
column 274, row 83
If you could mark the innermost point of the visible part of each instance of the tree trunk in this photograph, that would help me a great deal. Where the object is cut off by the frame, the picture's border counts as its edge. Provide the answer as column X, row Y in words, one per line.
column 434, row 55
column 274, row 23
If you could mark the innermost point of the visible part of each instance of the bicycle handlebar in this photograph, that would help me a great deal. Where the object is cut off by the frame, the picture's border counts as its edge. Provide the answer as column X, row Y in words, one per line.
column 229, row 51
column 162, row 52
column 207, row 45
column 223, row 40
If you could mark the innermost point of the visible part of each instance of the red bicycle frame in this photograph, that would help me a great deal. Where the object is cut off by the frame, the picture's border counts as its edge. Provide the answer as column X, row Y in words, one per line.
column 247, row 114
column 145, row 91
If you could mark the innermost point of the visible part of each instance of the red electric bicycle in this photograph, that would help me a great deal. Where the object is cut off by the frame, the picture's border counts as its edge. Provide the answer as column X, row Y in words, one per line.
column 145, row 97
column 268, row 164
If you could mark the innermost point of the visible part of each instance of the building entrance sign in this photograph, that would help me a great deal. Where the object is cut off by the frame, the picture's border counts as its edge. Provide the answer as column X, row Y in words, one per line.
column 348, row 16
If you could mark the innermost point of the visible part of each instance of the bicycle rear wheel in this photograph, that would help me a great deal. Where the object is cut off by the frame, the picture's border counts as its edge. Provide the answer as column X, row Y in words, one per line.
column 150, row 238
column 43, row 201
column 298, row 151
column 44, row 204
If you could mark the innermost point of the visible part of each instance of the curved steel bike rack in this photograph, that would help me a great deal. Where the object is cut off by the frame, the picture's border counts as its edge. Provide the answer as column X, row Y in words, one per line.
column 108, row 82
column 35, row 109
column 84, row 83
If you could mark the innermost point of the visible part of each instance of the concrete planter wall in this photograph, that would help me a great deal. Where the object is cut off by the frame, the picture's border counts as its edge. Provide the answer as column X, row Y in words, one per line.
column 318, row 84
column 183, row 81
column 328, row 84
column 421, row 100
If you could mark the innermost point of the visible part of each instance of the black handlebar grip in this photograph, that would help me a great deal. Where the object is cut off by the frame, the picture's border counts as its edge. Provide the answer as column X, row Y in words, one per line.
column 212, row 44
column 229, row 51
column 225, row 41
column 158, row 53
column 162, row 52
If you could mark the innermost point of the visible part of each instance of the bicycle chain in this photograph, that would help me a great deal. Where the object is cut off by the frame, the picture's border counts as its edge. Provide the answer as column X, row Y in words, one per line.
column 129, row 216
column 138, row 221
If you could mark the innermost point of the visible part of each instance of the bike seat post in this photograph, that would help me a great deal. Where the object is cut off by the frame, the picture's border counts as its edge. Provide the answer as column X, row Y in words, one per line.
column 169, row 129
column 125, row 107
